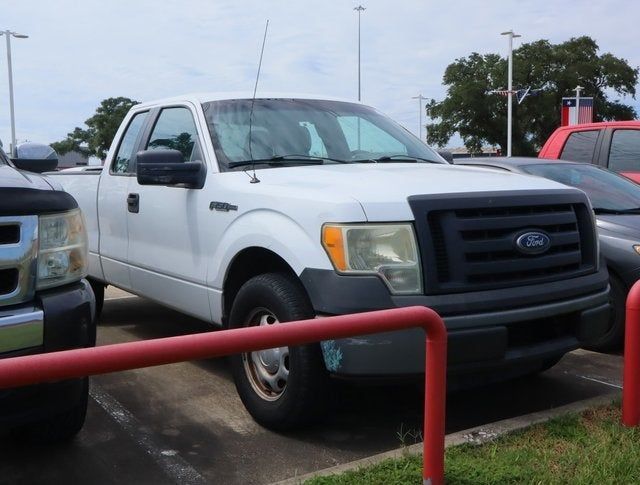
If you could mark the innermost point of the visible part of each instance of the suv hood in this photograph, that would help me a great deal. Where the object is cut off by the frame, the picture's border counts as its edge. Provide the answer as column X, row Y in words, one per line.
column 382, row 189
column 12, row 177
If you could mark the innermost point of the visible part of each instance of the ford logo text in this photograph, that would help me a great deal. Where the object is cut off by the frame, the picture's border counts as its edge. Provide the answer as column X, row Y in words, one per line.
column 533, row 242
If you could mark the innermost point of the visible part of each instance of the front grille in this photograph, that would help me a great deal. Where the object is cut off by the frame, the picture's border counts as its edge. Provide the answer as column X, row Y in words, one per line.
column 472, row 247
column 10, row 234
column 8, row 281
column 18, row 251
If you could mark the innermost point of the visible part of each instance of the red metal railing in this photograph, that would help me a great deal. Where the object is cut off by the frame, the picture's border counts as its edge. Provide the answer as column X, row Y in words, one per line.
column 20, row 371
column 631, row 373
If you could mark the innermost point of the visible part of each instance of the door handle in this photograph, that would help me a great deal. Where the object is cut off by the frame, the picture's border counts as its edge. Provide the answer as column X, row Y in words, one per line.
column 133, row 203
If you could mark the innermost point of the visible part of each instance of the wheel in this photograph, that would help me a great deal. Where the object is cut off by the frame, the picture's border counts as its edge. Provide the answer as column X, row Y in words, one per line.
column 59, row 427
column 612, row 340
column 285, row 387
column 98, row 291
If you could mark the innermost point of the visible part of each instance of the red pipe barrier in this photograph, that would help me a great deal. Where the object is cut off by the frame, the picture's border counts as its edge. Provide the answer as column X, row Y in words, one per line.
column 631, row 372
column 20, row 371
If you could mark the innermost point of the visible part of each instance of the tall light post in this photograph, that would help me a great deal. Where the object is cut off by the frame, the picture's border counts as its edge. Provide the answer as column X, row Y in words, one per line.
column 510, row 89
column 419, row 97
column 8, row 34
column 359, row 9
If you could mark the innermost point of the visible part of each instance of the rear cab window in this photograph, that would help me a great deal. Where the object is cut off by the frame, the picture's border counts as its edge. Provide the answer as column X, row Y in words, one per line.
column 624, row 153
column 580, row 146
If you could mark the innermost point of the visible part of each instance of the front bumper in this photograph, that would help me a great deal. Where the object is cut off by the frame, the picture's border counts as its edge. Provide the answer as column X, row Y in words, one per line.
column 510, row 331
column 59, row 319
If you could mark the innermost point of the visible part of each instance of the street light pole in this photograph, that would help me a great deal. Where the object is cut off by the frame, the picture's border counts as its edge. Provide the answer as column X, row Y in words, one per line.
column 8, row 34
column 510, row 89
column 419, row 97
column 359, row 9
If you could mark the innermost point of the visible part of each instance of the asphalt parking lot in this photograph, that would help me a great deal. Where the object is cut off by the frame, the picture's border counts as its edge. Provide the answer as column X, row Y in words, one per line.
column 184, row 423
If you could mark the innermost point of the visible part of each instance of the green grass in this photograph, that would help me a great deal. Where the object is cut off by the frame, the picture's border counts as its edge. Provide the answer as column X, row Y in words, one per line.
column 592, row 447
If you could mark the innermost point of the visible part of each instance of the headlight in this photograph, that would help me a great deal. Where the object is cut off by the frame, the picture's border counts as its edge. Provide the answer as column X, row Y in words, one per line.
column 62, row 253
column 387, row 250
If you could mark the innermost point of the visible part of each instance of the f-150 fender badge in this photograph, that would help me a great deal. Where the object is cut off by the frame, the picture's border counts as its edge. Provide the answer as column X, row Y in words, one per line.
column 222, row 207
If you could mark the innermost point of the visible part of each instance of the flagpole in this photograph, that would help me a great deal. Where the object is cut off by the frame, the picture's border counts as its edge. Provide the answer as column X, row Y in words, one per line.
column 578, row 89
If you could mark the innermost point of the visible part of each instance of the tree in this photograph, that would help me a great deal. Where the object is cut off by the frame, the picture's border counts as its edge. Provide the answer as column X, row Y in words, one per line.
column 556, row 69
column 101, row 128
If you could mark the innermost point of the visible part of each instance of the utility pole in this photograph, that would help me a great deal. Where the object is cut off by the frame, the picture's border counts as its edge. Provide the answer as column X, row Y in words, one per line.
column 8, row 34
column 359, row 9
column 510, row 89
column 420, row 97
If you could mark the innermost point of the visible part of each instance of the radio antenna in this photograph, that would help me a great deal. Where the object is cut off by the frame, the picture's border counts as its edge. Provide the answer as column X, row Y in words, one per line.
column 254, row 179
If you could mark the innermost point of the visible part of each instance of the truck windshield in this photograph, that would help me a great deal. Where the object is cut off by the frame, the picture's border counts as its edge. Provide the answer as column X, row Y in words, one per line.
column 4, row 159
column 302, row 132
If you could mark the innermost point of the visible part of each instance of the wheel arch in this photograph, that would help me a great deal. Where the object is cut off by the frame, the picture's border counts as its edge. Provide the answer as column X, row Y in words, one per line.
column 248, row 263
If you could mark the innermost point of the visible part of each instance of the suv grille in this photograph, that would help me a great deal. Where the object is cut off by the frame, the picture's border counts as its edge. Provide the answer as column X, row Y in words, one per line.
column 472, row 245
column 10, row 234
column 8, row 281
column 18, row 251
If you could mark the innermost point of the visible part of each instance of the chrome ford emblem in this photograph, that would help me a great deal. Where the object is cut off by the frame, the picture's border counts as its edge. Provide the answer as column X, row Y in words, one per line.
column 533, row 242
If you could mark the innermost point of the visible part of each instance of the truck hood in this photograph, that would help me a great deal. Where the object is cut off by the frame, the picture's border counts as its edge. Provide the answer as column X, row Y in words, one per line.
column 11, row 177
column 382, row 188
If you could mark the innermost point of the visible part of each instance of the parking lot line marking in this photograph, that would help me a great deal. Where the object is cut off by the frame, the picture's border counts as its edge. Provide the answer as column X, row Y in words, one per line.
column 600, row 382
column 171, row 463
column 125, row 297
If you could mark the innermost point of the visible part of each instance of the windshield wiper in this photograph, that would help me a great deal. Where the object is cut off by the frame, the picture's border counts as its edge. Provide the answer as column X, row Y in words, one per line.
column 395, row 158
column 602, row 210
column 283, row 159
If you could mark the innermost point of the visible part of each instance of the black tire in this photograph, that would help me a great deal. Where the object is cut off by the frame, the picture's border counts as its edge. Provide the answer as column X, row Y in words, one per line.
column 58, row 428
column 300, row 397
column 98, row 290
column 613, row 339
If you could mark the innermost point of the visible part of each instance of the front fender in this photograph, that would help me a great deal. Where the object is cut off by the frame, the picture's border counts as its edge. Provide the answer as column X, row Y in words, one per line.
column 273, row 231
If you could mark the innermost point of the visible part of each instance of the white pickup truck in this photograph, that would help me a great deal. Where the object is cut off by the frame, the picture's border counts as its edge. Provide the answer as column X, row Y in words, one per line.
column 251, row 212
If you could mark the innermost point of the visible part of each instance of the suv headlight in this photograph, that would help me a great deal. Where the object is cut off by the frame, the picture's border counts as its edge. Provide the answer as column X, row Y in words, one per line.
column 387, row 250
column 62, row 252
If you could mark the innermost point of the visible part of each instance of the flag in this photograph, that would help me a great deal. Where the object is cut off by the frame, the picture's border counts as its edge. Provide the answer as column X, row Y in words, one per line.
column 571, row 116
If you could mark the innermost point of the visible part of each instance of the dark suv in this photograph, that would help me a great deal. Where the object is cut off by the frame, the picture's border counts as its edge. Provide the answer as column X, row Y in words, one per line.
column 45, row 302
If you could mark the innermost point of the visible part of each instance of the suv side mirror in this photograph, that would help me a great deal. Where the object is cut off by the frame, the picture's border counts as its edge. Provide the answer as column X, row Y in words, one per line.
column 35, row 157
column 166, row 167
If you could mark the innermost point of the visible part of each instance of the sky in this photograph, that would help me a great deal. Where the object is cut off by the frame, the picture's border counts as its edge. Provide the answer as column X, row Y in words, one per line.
column 81, row 52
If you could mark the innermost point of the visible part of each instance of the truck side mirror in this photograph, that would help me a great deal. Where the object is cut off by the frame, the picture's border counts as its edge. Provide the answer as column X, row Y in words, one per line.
column 166, row 167
column 35, row 157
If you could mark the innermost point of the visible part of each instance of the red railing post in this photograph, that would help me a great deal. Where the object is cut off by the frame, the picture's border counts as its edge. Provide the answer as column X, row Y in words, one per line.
column 435, row 385
column 33, row 369
column 631, row 372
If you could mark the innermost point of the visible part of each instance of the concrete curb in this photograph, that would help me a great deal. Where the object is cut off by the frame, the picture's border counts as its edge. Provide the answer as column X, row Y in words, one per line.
column 477, row 435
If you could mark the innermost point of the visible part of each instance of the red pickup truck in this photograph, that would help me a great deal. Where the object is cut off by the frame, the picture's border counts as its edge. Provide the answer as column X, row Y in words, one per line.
column 611, row 144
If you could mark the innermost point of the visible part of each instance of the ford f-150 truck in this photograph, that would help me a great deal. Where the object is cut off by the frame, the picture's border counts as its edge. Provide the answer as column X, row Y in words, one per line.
column 245, row 211
column 45, row 304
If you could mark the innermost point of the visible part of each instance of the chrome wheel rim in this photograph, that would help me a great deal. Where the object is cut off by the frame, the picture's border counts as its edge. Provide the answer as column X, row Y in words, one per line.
column 267, row 370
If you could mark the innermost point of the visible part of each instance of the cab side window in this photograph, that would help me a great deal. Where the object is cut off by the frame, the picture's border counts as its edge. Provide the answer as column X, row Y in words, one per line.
column 580, row 146
column 175, row 129
column 624, row 154
column 122, row 161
